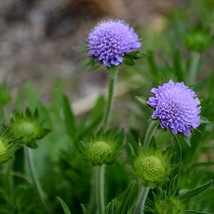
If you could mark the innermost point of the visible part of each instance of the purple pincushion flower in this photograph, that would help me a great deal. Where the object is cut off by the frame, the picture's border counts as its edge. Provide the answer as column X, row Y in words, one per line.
column 176, row 106
column 110, row 40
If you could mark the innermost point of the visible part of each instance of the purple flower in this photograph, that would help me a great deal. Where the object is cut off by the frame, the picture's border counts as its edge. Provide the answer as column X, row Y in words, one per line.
column 176, row 106
column 110, row 40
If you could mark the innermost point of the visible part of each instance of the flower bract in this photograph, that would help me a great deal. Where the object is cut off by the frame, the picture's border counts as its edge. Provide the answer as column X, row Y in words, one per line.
column 151, row 169
column 28, row 127
column 7, row 146
column 110, row 40
column 177, row 107
column 103, row 148
column 169, row 206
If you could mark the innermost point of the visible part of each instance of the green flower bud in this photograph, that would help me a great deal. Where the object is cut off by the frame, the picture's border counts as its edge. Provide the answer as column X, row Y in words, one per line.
column 102, row 149
column 169, row 206
column 28, row 127
column 99, row 152
column 151, row 170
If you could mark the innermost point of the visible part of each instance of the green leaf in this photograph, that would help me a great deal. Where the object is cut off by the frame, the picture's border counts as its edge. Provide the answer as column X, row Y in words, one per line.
column 64, row 205
column 69, row 118
column 173, row 186
column 142, row 99
column 110, row 208
column 32, row 145
column 204, row 120
column 150, row 133
column 98, row 108
column 187, row 140
column 195, row 212
column 132, row 151
column 84, row 210
column 125, row 203
column 138, row 55
column 94, row 119
column 194, row 192
column 128, row 60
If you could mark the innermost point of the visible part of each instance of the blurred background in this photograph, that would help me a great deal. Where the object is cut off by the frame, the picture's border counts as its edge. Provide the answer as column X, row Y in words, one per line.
column 40, row 39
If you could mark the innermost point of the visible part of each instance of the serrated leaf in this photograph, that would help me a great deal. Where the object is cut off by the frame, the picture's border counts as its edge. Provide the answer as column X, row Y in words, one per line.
column 64, row 205
column 194, row 192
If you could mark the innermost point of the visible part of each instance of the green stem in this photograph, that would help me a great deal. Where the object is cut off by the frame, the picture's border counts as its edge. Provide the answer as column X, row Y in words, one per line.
column 8, row 179
column 194, row 67
column 99, row 193
column 110, row 100
column 100, row 170
column 139, row 208
column 36, row 183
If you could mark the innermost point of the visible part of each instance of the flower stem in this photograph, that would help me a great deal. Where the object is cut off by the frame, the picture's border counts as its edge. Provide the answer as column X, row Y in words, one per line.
column 36, row 183
column 99, row 193
column 100, row 170
column 8, row 179
column 110, row 100
column 194, row 67
column 139, row 208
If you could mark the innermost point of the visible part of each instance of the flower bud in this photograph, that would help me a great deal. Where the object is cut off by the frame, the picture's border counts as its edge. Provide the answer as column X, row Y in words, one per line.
column 102, row 149
column 151, row 169
column 99, row 152
column 27, row 127
column 169, row 206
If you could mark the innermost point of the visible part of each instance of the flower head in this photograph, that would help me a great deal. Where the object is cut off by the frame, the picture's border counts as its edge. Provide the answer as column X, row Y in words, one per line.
column 110, row 40
column 169, row 205
column 151, row 169
column 102, row 148
column 28, row 127
column 176, row 106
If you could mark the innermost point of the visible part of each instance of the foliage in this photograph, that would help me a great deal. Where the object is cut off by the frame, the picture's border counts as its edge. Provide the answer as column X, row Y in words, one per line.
column 60, row 181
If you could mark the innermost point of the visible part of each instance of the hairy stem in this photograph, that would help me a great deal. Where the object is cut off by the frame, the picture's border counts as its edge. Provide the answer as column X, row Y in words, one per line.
column 36, row 183
column 139, row 208
column 109, row 101
column 99, row 193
